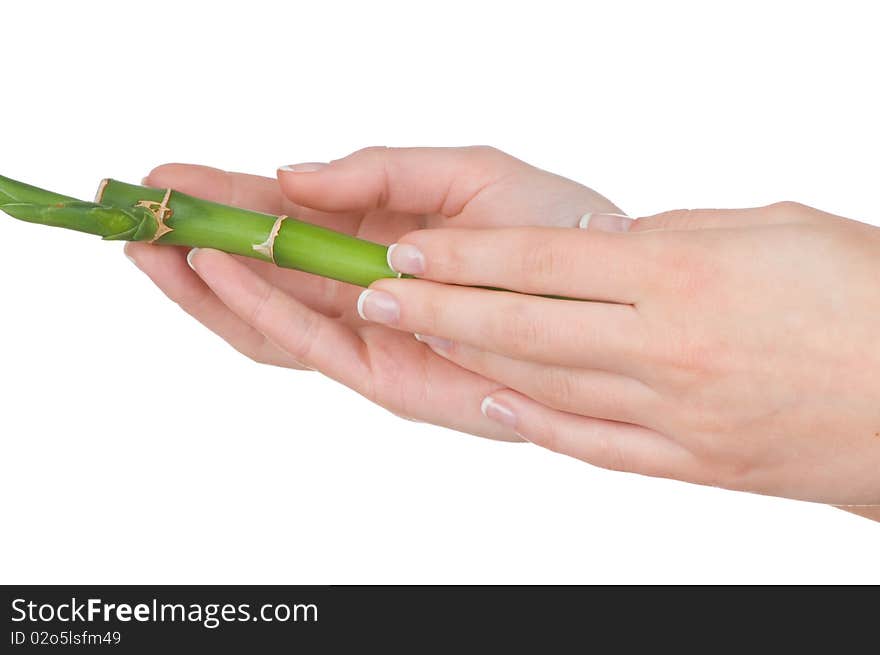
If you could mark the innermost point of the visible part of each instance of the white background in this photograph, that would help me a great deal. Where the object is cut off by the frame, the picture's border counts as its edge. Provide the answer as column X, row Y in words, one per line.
column 137, row 447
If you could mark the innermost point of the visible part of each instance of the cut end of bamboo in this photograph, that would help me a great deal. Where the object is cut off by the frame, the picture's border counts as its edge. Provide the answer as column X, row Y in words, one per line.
column 100, row 194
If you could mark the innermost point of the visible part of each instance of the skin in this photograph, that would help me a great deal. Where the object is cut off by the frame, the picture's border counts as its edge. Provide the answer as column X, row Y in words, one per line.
column 292, row 319
column 735, row 348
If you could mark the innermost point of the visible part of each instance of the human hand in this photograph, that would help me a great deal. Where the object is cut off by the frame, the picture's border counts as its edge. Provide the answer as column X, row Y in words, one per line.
column 734, row 348
column 293, row 319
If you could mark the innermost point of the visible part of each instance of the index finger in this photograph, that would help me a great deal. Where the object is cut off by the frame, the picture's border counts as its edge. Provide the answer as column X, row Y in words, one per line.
column 607, row 266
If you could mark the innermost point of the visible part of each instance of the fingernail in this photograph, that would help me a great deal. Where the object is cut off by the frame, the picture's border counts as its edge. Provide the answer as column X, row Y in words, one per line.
column 494, row 410
column 605, row 222
column 189, row 258
column 378, row 306
column 437, row 344
column 307, row 167
column 404, row 258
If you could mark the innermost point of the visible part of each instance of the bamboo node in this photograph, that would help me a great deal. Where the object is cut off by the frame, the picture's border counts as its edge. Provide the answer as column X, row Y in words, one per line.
column 161, row 212
column 267, row 248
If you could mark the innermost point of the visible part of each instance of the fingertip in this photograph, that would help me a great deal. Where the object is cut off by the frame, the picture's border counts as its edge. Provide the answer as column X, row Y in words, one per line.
column 189, row 178
column 204, row 261
column 604, row 222
column 405, row 258
column 136, row 249
column 130, row 252
column 303, row 184
column 306, row 167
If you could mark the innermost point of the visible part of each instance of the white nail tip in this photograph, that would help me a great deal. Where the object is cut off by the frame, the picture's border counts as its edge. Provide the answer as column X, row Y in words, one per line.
column 360, row 302
column 484, row 406
column 287, row 167
column 584, row 223
column 189, row 258
column 419, row 338
column 388, row 257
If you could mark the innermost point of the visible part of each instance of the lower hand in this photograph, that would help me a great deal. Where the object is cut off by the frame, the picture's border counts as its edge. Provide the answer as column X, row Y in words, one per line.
column 292, row 319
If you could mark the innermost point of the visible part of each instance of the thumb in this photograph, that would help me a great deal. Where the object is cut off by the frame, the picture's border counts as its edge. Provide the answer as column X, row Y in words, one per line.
column 412, row 180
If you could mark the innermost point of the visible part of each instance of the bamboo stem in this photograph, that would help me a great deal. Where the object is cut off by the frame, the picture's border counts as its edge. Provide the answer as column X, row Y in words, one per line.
column 128, row 212
column 289, row 243
column 135, row 213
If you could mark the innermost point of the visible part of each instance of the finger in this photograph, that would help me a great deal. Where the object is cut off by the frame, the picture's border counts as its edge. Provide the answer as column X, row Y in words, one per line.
column 581, row 391
column 443, row 183
column 373, row 366
column 563, row 332
column 780, row 213
column 608, row 444
column 413, row 180
column 535, row 260
column 305, row 335
column 329, row 297
column 412, row 381
column 166, row 266
column 253, row 192
column 237, row 189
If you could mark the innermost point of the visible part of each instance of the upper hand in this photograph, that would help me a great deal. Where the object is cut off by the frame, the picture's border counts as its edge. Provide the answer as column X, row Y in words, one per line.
column 733, row 348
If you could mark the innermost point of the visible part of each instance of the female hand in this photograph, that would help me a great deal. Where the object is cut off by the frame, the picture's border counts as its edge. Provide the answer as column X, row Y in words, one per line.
column 293, row 319
column 733, row 348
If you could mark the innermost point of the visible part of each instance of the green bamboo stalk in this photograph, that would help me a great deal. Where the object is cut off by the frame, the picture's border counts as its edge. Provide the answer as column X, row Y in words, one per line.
column 128, row 212
column 135, row 213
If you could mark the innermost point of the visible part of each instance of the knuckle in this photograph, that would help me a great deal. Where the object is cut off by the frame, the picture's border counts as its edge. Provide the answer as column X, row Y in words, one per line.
column 688, row 270
column 542, row 260
column 299, row 345
column 609, row 454
column 387, row 386
column 427, row 316
column 785, row 208
column 370, row 152
column 678, row 218
column 257, row 314
column 515, row 327
column 486, row 152
column 558, row 387
column 447, row 257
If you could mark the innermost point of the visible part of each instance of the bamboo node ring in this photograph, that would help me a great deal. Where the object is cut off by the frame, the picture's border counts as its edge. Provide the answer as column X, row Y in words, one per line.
column 161, row 212
column 267, row 248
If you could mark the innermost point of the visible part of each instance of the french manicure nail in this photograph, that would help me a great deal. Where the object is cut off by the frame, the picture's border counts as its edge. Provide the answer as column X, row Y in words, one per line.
column 378, row 306
column 189, row 258
column 307, row 167
column 494, row 410
column 437, row 344
column 605, row 222
column 404, row 258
